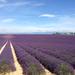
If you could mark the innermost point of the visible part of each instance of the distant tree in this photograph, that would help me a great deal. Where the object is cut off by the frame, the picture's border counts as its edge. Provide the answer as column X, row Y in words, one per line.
column 58, row 33
column 64, row 70
column 4, row 68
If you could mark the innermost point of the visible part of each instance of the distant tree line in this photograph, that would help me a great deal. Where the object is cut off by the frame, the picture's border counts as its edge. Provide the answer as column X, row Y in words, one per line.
column 64, row 33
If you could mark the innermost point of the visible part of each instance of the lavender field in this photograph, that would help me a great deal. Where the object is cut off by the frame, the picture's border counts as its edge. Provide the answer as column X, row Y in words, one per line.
column 39, row 51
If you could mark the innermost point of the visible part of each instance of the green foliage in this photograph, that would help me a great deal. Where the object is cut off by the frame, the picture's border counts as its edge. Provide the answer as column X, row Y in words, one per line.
column 64, row 70
column 33, row 70
column 4, row 68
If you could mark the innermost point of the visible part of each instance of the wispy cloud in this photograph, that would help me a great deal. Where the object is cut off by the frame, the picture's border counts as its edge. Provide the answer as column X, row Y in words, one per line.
column 38, row 4
column 22, row 29
column 17, row 4
column 66, row 21
column 8, row 20
column 21, row 4
column 47, row 15
column 2, row 5
column 14, row 4
column 63, row 24
column 3, row 1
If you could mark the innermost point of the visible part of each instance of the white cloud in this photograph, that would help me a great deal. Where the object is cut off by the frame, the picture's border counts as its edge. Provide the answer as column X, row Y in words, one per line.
column 21, row 29
column 47, row 15
column 63, row 24
column 8, row 20
column 33, row 29
column 66, row 21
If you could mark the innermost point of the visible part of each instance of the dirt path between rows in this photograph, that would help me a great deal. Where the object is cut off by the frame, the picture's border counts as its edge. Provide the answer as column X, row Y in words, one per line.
column 1, row 50
column 19, row 70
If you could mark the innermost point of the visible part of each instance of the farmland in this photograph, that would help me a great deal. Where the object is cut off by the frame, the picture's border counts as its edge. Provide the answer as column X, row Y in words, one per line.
column 38, row 53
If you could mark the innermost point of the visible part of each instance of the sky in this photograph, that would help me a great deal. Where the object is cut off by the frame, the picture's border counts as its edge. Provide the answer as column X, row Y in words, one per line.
column 37, row 16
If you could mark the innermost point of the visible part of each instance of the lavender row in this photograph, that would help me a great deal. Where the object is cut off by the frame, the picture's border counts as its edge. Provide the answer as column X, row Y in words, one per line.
column 26, row 61
column 7, row 57
column 50, row 62
column 2, row 43
column 65, row 52
column 65, row 55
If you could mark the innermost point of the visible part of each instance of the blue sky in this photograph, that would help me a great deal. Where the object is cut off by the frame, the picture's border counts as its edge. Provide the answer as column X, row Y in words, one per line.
column 31, row 16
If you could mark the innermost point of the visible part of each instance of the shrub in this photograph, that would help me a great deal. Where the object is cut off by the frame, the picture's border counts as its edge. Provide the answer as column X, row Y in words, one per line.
column 64, row 70
column 4, row 68
column 33, row 70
